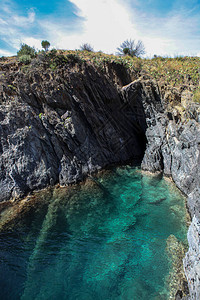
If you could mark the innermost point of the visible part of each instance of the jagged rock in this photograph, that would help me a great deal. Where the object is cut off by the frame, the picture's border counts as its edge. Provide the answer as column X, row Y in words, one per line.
column 192, row 259
column 194, row 203
column 174, row 149
column 60, row 126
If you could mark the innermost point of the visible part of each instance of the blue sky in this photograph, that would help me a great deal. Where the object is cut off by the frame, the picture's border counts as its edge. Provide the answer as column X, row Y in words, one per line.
column 165, row 27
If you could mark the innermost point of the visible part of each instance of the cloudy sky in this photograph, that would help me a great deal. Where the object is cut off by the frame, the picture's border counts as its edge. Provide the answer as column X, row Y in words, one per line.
column 166, row 27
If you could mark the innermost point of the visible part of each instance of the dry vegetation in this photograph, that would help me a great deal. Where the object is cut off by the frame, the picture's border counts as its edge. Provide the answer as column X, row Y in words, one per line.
column 173, row 71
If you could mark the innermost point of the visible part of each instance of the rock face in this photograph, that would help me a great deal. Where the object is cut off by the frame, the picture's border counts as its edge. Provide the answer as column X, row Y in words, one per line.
column 59, row 126
column 192, row 259
column 174, row 148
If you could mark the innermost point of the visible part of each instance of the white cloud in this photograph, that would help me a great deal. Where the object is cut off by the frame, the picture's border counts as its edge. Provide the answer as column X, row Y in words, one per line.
column 24, row 21
column 169, row 34
column 2, row 22
column 105, row 24
column 14, row 27
column 5, row 53
column 33, row 42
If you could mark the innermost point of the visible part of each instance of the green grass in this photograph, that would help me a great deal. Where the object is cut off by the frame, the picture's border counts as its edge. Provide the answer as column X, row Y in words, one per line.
column 178, row 71
column 174, row 71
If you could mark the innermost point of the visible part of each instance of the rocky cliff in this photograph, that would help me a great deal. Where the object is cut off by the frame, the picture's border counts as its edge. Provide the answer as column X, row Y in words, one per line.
column 57, row 126
column 173, row 148
column 60, row 123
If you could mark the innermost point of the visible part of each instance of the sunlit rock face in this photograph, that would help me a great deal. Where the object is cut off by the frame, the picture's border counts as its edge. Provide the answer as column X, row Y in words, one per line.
column 192, row 259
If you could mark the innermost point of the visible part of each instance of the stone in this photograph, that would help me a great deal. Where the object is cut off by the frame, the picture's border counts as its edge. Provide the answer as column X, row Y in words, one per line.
column 64, row 125
column 192, row 259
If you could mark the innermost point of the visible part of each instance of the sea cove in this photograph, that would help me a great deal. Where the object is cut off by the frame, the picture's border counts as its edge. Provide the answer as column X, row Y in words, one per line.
column 110, row 238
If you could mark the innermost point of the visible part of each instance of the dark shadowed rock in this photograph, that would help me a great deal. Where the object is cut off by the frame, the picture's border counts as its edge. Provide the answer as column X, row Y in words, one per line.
column 60, row 126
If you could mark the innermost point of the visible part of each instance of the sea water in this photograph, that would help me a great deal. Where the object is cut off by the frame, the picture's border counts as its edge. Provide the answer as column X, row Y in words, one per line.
column 102, row 240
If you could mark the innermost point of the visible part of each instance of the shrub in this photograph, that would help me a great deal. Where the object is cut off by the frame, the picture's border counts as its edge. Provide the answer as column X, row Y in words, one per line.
column 52, row 53
column 86, row 47
column 45, row 45
column 60, row 60
column 126, row 51
column 25, row 59
column 26, row 50
column 74, row 58
column 131, row 48
column 138, row 65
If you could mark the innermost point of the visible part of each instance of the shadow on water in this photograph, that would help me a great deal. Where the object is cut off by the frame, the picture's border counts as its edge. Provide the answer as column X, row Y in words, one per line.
column 158, row 202
column 98, row 240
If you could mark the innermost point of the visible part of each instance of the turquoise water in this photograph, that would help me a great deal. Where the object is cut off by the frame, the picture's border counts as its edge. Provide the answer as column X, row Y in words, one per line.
column 102, row 240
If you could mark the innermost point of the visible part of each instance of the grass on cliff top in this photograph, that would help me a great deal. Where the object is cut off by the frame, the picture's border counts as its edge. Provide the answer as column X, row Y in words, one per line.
column 174, row 71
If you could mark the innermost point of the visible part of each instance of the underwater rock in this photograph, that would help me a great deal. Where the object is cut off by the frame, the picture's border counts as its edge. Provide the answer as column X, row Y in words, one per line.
column 176, row 279
column 158, row 202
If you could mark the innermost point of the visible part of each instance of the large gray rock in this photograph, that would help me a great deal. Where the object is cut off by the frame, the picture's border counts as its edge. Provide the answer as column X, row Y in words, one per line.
column 192, row 259
column 58, row 127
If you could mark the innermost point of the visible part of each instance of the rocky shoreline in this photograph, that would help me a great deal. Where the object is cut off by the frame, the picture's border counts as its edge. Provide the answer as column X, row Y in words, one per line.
column 59, row 126
column 174, row 149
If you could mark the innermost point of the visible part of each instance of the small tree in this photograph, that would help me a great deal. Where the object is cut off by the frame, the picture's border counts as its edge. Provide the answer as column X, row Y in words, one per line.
column 45, row 45
column 26, row 50
column 86, row 47
column 131, row 48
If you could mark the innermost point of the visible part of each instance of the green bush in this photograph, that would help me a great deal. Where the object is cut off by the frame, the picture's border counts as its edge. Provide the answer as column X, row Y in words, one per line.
column 26, row 50
column 45, row 45
column 52, row 53
column 60, row 60
column 25, row 59
column 74, row 58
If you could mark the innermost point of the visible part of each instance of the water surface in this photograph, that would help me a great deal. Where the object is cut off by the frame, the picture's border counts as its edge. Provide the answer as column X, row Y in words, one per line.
column 102, row 240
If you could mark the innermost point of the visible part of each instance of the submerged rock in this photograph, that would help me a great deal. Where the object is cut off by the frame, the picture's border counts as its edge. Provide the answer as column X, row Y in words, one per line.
column 176, row 280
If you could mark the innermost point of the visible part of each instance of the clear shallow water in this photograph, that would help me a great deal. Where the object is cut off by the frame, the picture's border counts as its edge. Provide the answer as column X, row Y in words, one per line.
column 103, row 240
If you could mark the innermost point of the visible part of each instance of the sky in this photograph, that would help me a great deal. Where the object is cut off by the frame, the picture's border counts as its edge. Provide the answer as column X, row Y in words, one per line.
column 166, row 27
